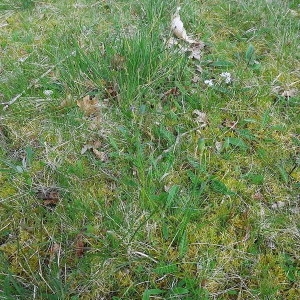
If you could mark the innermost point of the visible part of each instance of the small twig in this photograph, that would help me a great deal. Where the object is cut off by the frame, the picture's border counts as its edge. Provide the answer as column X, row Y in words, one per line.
column 14, row 99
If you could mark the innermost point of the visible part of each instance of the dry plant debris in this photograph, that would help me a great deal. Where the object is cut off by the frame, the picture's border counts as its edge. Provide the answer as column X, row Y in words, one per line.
column 79, row 245
column 112, row 90
column 200, row 118
column 194, row 48
column 289, row 93
column 229, row 124
column 286, row 93
column 49, row 195
column 94, row 146
column 150, row 217
column 54, row 251
column 89, row 105
column 178, row 27
column 218, row 146
column 171, row 92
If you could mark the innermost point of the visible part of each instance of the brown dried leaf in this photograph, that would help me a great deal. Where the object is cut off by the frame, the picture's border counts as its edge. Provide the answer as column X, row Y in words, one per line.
column 196, row 50
column 258, row 196
column 199, row 68
column 100, row 155
column 112, row 90
column 171, row 92
column 49, row 196
column 289, row 93
column 196, row 79
column 200, row 117
column 93, row 146
column 90, row 146
column 89, row 105
column 54, row 250
column 79, row 245
column 229, row 124
column 97, row 144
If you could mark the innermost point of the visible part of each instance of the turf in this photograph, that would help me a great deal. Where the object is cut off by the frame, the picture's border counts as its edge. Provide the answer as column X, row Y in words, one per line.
column 129, row 170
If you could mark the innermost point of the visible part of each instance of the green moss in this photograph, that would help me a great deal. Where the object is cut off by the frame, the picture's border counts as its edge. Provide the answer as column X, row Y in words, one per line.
column 7, row 189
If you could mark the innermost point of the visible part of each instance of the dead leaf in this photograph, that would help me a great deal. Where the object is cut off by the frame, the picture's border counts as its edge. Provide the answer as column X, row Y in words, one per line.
column 258, row 196
column 112, row 90
column 100, row 155
column 195, row 50
column 201, row 117
column 289, row 93
column 218, row 146
column 89, row 105
column 171, row 42
column 49, row 196
column 171, row 92
column 278, row 205
column 229, row 124
column 178, row 28
column 79, row 245
column 196, row 79
column 199, row 68
column 93, row 146
column 55, row 249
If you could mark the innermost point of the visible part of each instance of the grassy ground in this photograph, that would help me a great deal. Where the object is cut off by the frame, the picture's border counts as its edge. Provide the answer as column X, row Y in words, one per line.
column 124, row 174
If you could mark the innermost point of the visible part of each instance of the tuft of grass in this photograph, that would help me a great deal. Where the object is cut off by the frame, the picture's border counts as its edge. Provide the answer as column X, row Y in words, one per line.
column 138, row 197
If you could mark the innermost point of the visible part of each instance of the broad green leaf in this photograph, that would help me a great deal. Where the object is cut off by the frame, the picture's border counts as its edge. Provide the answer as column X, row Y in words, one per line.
column 150, row 292
column 236, row 142
column 219, row 187
column 183, row 244
column 232, row 292
column 255, row 178
column 245, row 133
column 171, row 195
column 180, row 291
column 222, row 63
column 283, row 173
column 165, row 231
column 166, row 269
column 29, row 155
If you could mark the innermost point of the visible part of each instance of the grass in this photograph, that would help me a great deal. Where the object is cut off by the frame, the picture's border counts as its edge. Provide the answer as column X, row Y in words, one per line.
column 160, row 205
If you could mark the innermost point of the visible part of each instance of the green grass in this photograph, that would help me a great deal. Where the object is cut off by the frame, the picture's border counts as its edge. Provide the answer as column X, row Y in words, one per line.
column 177, row 210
